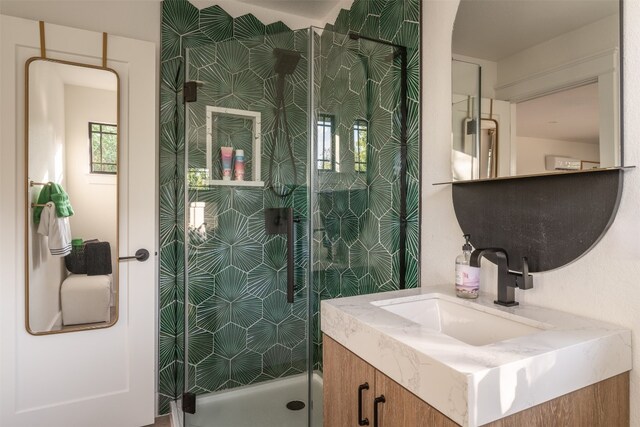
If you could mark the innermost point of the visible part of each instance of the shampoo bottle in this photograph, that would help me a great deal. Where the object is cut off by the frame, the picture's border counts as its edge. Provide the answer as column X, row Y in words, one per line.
column 467, row 277
column 239, row 165
column 226, row 154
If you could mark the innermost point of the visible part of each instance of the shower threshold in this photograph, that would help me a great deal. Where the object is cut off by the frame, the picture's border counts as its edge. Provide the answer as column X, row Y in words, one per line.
column 263, row 404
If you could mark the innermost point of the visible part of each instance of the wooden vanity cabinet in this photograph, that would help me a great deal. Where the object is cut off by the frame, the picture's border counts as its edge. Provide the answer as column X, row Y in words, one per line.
column 344, row 373
column 604, row 404
column 403, row 408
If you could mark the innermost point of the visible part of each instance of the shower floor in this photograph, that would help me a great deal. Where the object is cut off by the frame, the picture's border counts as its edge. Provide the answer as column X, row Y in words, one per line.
column 261, row 405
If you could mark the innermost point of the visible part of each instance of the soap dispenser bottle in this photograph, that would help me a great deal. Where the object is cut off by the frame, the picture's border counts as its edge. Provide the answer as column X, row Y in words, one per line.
column 467, row 276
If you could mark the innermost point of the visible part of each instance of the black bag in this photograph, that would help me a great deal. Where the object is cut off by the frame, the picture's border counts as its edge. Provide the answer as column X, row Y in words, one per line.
column 76, row 261
column 98, row 258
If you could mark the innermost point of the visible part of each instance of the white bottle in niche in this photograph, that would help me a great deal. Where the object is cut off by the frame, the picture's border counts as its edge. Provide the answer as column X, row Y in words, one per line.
column 467, row 277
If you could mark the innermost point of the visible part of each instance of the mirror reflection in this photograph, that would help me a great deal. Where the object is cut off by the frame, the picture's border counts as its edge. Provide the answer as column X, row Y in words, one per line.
column 546, row 74
column 72, row 197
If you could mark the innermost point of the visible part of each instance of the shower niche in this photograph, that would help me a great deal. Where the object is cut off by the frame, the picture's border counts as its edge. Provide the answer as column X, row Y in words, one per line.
column 239, row 130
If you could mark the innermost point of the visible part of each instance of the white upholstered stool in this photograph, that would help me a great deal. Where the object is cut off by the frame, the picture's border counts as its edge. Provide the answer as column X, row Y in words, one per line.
column 85, row 299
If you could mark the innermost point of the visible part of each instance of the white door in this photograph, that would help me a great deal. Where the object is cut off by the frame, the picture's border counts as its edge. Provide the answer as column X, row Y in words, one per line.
column 95, row 378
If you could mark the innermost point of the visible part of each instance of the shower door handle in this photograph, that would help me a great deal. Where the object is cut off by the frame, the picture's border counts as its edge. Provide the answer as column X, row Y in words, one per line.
column 290, row 266
column 280, row 221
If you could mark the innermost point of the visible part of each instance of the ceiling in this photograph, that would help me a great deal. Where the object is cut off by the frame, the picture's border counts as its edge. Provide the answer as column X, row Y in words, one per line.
column 570, row 115
column 315, row 9
column 481, row 25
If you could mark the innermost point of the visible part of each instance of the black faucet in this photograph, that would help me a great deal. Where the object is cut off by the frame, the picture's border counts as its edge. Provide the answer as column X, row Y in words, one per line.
column 506, row 284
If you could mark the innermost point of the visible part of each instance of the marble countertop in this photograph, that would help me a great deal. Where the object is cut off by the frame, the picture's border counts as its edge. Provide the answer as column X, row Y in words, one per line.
column 474, row 385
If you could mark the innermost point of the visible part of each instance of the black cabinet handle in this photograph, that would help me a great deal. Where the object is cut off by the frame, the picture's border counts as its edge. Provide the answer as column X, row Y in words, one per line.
column 362, row 421
column 376, row 401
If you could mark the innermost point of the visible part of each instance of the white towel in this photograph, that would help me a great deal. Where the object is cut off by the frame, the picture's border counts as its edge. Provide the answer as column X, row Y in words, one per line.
column 57, row 229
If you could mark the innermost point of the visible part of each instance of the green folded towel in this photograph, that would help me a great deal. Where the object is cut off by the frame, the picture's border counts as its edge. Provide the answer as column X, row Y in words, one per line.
column 53, row 192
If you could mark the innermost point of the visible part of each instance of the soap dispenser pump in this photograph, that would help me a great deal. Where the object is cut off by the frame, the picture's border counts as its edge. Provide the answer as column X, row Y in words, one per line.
column 467, row 276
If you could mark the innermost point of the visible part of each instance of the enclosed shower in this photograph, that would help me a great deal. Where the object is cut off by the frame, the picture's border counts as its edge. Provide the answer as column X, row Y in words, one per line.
column 318, row 122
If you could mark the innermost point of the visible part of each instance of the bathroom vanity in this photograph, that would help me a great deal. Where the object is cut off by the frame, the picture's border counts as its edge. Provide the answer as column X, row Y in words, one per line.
column 424, row 357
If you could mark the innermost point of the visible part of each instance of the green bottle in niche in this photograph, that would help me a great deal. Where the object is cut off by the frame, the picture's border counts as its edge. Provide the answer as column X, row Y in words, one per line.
column 467, row 277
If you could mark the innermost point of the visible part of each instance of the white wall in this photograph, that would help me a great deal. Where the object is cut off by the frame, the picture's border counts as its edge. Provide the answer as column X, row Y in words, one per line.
column 46, row 163
column 591, row 39
column 441, row 234
column 93, row 196
column 602, row 284
column 531, row 152
column 138, row 19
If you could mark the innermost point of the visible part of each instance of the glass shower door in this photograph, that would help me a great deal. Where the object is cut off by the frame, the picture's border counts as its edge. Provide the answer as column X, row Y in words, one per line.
column 327, row 171
column 360, row 210
column 246, row 239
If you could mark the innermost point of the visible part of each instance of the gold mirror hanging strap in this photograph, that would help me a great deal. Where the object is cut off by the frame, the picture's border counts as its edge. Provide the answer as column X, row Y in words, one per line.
column 104, row 50
column 43, row 48
column 43, row 45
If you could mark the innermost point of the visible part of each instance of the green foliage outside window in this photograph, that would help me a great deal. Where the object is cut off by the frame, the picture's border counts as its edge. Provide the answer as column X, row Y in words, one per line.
column 197, row 177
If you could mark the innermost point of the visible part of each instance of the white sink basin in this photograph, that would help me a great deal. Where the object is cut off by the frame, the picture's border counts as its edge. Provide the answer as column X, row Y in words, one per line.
column 472, row 360
column 459, row 321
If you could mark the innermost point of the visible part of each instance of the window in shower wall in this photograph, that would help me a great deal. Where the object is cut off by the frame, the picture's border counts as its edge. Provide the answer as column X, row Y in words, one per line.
column 326, row 142
column 360, row 145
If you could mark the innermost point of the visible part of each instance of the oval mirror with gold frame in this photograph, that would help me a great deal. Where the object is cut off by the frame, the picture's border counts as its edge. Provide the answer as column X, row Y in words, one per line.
column 71, row 188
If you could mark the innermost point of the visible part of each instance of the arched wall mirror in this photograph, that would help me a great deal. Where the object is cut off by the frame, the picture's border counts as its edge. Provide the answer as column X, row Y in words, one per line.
column 548, row 74
column 71, row 185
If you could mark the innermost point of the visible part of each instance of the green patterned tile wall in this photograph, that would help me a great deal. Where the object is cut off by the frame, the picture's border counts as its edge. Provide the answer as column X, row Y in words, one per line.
column 240, row 330
column 357, row 213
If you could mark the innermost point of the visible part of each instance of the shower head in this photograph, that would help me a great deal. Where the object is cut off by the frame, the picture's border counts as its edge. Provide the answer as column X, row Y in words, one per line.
column 286, row 60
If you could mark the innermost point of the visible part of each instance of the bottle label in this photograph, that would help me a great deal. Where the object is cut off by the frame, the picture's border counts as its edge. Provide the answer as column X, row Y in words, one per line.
column 468, row 279
column 239, row 168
